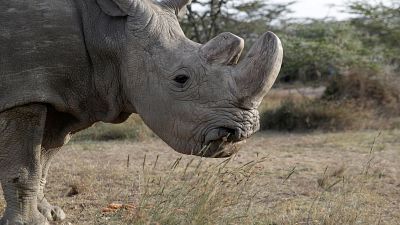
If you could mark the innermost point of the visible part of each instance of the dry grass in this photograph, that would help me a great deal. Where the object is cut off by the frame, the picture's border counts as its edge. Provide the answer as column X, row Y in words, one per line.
column 336, row 178
column 309, row 115
column 379, row 93
column 277, row 96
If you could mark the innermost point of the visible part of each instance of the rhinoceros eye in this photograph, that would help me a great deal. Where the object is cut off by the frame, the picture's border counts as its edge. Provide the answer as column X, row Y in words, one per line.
column 181, row 79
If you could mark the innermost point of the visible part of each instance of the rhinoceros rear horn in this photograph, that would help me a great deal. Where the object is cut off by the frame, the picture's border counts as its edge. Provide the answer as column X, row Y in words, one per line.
column 114, row 8
column 224, row 49
column 257, row 72
column 176, row 5
column 140, row 8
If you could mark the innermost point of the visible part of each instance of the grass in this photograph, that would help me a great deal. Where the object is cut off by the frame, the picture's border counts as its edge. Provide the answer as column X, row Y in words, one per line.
column 311, row 178
column 218, row 194
column 228, row 192
column 197, row 194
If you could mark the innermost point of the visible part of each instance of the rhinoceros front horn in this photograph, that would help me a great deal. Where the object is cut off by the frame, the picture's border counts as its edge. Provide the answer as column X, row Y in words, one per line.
column 257, row 72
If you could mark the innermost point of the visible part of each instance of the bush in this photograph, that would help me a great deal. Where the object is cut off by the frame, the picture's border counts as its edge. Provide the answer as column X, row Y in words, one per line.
column 312, row 115
column 356, row 100
column 377, row 93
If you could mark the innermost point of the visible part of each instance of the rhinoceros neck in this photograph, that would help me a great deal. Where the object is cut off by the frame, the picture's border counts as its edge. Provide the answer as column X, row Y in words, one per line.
column 61, row 53
column 104, row 39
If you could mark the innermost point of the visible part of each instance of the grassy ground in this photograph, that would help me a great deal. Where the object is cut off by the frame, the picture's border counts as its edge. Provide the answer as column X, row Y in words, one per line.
column 276, row 178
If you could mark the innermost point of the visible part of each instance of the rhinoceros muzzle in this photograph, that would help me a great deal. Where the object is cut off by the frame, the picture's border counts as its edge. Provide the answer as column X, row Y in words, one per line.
column 221, row 142
column 254, row 76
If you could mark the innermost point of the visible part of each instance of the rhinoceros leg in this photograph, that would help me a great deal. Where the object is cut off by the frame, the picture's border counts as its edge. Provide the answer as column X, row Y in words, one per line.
column 21, row 132
column 52, row 213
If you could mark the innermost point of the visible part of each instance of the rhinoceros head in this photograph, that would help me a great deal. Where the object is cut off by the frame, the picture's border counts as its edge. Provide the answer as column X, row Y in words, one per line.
column 197, row 98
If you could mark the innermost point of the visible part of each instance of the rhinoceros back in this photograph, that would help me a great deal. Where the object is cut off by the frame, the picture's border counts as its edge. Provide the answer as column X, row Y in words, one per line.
column 42, row 54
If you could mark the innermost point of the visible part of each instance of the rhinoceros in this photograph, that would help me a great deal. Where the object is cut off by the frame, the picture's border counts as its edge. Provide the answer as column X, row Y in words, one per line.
column 67, row 64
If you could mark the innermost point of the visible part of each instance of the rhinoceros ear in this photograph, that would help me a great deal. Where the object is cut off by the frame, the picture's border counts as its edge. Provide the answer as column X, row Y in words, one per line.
column 177, row 6
column 115, row 7
column 223, row 49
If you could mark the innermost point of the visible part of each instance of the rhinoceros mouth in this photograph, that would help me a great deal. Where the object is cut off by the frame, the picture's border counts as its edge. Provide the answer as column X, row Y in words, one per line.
column 220, row 142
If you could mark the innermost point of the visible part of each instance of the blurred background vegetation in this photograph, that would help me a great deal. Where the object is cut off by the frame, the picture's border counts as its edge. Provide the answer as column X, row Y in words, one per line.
column 315, row 49
column 336, row 75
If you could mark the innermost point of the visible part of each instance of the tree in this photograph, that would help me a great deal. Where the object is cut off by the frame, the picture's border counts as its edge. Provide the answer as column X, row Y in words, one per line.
column 313, row 49
column 207, row 18
column 380, row 24
column 319, row 49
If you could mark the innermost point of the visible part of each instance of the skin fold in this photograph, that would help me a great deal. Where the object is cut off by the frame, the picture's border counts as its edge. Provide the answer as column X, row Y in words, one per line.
column 65, row 65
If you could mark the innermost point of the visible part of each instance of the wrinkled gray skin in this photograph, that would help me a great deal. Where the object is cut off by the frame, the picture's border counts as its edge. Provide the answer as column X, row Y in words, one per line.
column 65, row 65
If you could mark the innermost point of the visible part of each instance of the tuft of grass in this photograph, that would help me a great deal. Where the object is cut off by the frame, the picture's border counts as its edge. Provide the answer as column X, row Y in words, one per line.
column 343, row 202
column 195, row 193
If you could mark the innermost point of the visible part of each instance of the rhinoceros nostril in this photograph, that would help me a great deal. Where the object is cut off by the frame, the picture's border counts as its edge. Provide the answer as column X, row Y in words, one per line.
column 229, row 134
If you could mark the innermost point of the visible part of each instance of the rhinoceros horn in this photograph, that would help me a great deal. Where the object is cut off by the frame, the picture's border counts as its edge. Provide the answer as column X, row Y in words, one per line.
column 224, row 49
column 175, row 5
column 257, row 72
column 139, row 8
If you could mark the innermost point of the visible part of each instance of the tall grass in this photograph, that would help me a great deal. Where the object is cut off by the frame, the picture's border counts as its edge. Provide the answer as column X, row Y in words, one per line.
column 196, row 193
column 200, row 193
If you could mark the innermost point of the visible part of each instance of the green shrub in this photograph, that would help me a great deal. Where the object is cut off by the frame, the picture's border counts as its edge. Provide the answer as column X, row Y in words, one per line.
column 359, row 99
